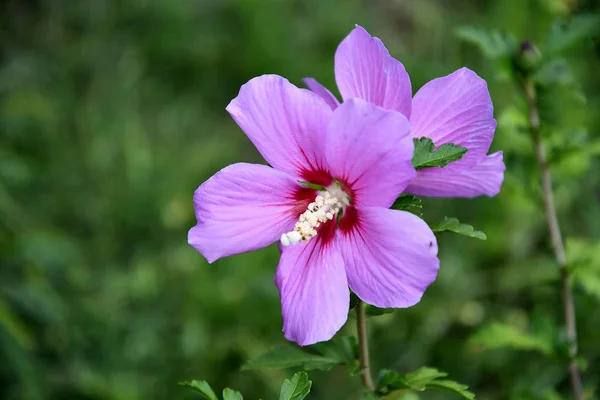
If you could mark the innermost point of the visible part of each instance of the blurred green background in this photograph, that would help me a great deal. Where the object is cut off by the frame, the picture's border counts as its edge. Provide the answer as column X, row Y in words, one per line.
column 113, row 112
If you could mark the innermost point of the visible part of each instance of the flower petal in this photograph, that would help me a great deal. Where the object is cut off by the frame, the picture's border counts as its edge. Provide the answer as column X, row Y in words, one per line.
column 365, row 69
column 322, row 91
column 390, row 255
column 456, row 109
column 245, row 207
column 485, row 178
column 369, row 149
column 285, row 123
column 314, row 291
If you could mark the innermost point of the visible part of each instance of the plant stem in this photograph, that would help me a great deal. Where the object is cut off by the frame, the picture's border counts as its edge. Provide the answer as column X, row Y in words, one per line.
column 556, row 238
column 363, row 346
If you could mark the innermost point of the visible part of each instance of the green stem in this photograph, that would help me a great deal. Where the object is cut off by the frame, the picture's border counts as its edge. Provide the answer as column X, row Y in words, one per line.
column 363, row 346
column 556, row 238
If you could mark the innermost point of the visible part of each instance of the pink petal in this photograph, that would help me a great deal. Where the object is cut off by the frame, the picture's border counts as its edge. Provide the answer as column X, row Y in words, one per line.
column 314, row 290
column 369, row 150
column 322, row 91
column 285, row 123
column 390, row 255
column 456, row 109
column 245, row 207
column 365, row 69
column 485, row 178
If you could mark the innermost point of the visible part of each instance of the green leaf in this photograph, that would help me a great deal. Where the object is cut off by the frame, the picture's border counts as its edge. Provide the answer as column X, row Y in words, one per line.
column 201, row 387
column 230, row 394
column 492, row 44
column 556, row 72
column 499, row 335
column 286, row 356
column 295, row 389
column 419, row 380
column 564, row 35
column 373, row 311
column 454, row 225
column 408, row 202
column 452, row 387
column 426, row 157
column 584, row 264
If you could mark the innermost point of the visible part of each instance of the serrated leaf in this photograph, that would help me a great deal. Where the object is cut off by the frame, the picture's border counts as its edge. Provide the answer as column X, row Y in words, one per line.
column 565, row 34
column 427, row 156
column 297, row 388
column 492, row 44
column 230, row 394
column 419, row 380
column 499, row 335
column 286, row 356
column 201, row 387
column 454, row 225
column 407, row 202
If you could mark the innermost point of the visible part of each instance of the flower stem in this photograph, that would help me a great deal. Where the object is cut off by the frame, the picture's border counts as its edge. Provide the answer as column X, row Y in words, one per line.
column 363, row 346
column 556, row 238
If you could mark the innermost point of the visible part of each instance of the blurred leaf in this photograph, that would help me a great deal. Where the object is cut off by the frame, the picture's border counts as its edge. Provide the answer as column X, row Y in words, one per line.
column 374, row 311
column 499, row 335
column 230, row 394
column 13, row 325
column 453, row 225
column 297, row 388
column 425, row 156
column 492, row 44
column 286, row 356
column 556, row 72
column 565, row 34
column 421, row 379
column 201, row 387
column 583, row 260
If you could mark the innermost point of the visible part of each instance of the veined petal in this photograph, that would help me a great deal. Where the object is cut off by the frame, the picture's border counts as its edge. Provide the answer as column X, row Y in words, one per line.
column 245, row 207
column 285, row 123
column 369, row 149
column 485, row 178
column 365, row 69
column 322, row 91
column 390, row 256
column 456, row 109
column 314, row 290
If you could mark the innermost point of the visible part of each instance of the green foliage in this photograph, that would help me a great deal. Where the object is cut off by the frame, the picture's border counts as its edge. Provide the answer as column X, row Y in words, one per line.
column 201, row 387
column 498, row 335
column 297, row 388
column 583, row 259
column 420, row 380
column 408, row 202
column 230, row 394
column 564, row 35
column 492, row 44
column 426, row 157
column 325, row 356
column 454, row 225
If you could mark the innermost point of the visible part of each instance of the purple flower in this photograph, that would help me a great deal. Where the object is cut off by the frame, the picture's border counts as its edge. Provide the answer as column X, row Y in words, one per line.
column 454, row 109
column 361, row 155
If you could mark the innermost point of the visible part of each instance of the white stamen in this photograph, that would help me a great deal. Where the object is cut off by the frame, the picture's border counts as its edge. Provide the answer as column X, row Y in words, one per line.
column 294, row 236
column 325, row 207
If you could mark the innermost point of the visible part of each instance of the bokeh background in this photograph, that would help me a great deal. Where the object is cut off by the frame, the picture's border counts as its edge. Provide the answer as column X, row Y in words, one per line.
column 113, row 112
